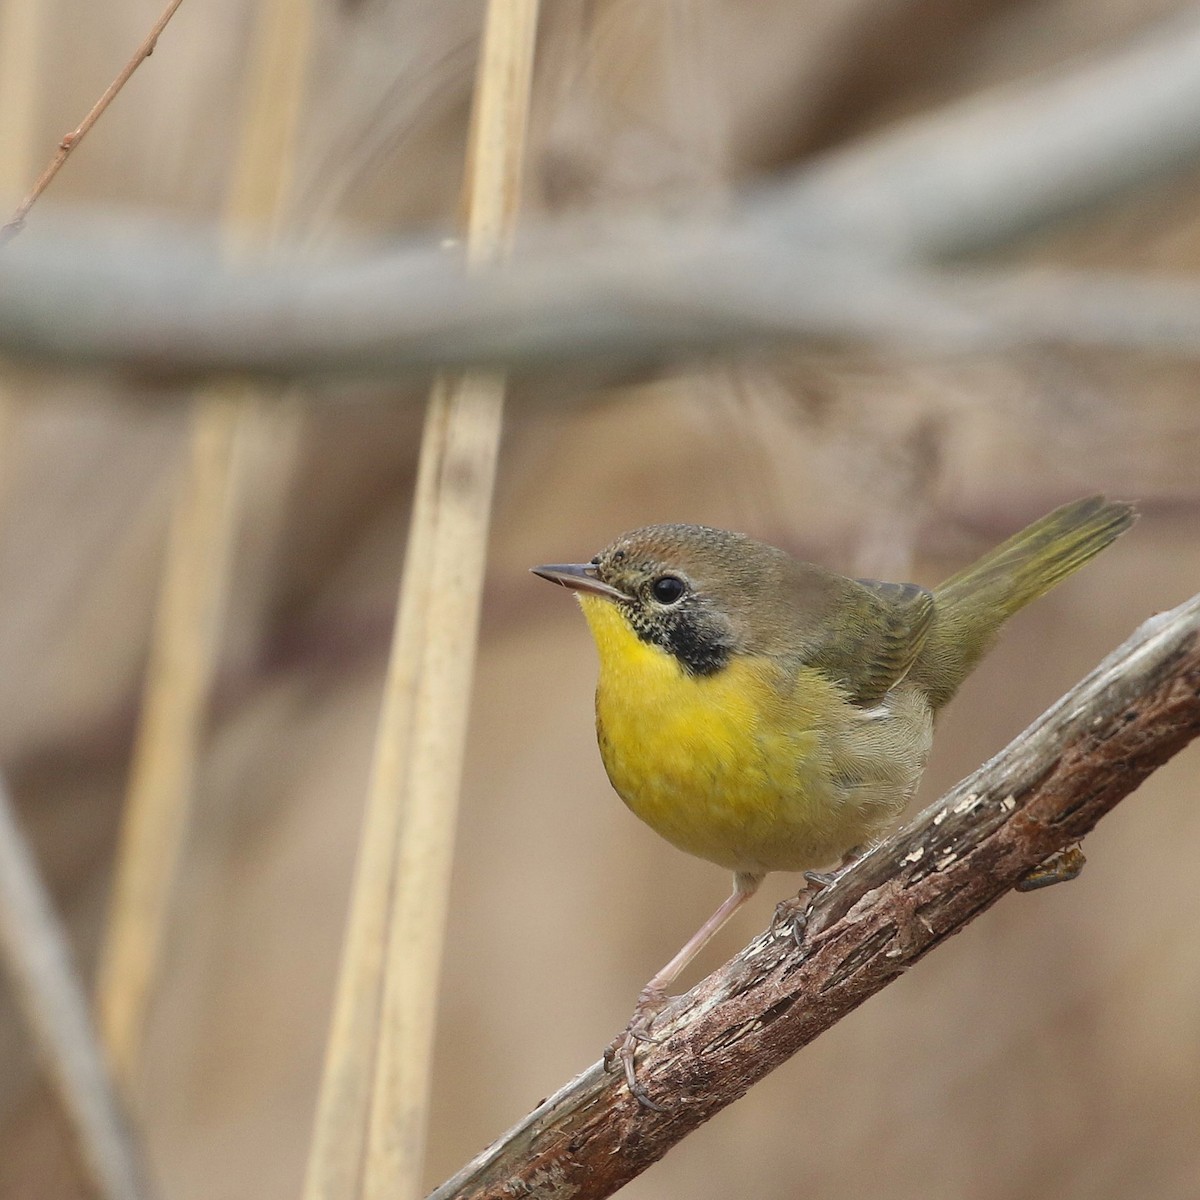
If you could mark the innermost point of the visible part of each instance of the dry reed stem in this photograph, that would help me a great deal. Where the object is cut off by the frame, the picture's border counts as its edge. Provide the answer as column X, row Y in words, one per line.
column 339, row 1133
column 20, row 60
column 194, row 583
column 464, row 419
column 182, row 656
column 17, row 221
column 36, row 954
column 374, row 1098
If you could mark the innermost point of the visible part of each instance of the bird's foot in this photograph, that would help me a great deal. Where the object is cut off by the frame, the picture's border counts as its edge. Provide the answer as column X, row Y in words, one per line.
column 623, row 1049
column 792, row 915
column 1058, row 868
column 818, row 881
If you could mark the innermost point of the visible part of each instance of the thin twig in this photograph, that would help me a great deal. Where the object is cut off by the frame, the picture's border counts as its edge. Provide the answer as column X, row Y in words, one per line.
column 16, row 222
column 35, row 953
column 373, row 1106
column 194, row 585
column 1044, row 792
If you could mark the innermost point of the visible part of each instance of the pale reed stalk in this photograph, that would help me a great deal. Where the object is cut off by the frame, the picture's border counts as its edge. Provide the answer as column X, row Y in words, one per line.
column 375, row 1090
column 195, row 582
column 21, row 39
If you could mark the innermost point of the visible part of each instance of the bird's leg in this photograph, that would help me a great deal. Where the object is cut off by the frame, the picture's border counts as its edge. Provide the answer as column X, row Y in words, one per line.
column 792, row 914
column 653, row 997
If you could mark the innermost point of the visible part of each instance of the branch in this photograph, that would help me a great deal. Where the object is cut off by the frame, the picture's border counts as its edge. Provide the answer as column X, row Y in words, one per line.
column 146, row 306
column 156, row 306
column 1004, row 162
column 1041, row 794
column 16, row 222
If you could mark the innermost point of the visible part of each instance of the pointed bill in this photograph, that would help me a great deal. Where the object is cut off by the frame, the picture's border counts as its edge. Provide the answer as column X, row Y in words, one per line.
column 579, row 577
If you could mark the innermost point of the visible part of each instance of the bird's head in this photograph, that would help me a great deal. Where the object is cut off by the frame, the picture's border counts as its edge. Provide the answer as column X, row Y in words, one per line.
column 688, row 589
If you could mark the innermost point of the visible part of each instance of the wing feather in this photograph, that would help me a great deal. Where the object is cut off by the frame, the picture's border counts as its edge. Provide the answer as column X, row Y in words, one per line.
column 876, row 638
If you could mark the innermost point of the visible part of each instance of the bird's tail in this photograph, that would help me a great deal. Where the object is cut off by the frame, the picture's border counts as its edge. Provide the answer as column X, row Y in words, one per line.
column 972, row 605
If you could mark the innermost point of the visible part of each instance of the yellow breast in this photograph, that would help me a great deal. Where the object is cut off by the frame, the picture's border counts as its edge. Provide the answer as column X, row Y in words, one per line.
column 737, row 767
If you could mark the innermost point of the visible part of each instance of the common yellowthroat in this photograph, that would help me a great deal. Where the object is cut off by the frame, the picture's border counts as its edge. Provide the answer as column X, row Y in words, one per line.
column 769, row 715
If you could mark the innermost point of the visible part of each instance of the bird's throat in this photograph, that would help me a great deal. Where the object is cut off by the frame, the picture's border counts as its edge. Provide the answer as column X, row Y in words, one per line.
column 697, row 649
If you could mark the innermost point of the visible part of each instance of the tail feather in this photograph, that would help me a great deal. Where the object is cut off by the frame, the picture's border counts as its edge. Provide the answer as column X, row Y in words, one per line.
column 973, row 604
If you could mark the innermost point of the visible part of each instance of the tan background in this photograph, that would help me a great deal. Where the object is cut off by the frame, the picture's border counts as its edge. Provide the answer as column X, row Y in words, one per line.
column 1053, row 1050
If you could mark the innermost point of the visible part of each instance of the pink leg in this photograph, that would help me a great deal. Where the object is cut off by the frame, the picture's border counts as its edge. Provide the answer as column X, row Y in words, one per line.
column 654, row 995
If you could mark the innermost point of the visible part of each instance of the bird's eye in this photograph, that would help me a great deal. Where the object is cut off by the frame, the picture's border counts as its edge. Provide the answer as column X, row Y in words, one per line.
column 666, row 589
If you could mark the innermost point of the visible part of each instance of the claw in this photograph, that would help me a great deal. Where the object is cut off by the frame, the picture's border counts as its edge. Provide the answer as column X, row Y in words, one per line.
column 623, row 1048
column 794, row 912
column 623, row 1051
column 791, row 915
column 819, row 880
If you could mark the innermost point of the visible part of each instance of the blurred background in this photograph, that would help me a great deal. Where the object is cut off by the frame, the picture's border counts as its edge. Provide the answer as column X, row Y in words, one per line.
column 1052, row 1050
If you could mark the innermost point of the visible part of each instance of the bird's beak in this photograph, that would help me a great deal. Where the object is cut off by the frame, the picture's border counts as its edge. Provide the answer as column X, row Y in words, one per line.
column 579, row 577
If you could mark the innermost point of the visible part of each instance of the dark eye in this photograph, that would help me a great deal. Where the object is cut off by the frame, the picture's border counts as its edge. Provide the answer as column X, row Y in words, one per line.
column 666, row 589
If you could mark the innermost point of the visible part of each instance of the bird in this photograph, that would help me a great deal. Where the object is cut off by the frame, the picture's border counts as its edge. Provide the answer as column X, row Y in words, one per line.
column 768, row 714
